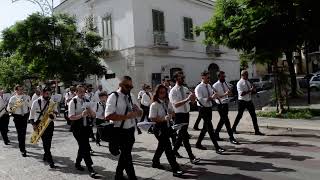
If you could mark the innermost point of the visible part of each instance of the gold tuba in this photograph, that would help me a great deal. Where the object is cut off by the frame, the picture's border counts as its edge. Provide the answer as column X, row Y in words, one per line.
column 19, row 102
column 44, row 122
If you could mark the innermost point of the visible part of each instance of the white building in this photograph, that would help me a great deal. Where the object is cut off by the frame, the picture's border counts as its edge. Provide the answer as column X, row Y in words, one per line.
column 151, row 39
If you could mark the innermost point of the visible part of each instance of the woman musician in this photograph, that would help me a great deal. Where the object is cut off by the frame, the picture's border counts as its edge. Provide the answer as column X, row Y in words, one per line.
column 160, row 113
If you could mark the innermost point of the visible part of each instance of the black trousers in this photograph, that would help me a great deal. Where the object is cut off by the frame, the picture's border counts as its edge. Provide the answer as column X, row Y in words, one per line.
column 81, row 134
column 163, row 133
column 145, row 114
column 223, row 110
column 21, row 126
column 4, row 123
column 206, row 114
column 183, row 135
column 99, row 129
column 127, row 140
column 196, row 124
column 46, row 140
column 241, row 107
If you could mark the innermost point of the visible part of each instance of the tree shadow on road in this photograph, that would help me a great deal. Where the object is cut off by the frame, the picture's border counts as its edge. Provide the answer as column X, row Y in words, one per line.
column 246, row 166
column 203, row 174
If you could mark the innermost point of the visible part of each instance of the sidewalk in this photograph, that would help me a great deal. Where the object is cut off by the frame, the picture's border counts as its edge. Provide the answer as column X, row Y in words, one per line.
column 246, row 122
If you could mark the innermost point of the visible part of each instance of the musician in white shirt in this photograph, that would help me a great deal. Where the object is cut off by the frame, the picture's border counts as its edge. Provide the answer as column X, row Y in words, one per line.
column 245, row 90
column 79, row 113
column 100, row 117
column 38, row 109
column 145, row 106
column 36, row 94
column 161, row 113
column 180, row 97
column 223, row 91
column 4, row 116
column 122, row 109
column 205, row 96
column 19, row 106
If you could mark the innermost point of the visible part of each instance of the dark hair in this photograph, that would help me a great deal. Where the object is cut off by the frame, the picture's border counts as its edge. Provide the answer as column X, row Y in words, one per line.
column 220, row 73
column 156, row 93
column 46, row 89
column 17, row 86
column 177, row 74
column 103, row 93
column 123, row 78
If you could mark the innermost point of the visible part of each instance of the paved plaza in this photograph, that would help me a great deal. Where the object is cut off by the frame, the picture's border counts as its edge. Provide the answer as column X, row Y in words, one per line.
column 282, row 154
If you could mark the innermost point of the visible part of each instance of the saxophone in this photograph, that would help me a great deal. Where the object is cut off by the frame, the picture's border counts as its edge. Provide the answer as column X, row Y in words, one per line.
column 19, row 102
column 44, row 122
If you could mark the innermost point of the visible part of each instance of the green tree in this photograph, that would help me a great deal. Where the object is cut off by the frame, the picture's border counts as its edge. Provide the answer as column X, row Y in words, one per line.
column 53, row 48
column 263, row 28
column 13, row 71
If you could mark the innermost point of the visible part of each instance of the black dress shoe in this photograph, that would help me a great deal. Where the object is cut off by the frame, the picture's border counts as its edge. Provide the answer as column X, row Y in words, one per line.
column 194, row 160
column 79, row 167
column 220, row 150
column 52, row 166
column 196, row 129
column 218, row 138
column 199, row 146
column 24, row 154
column 7, row 143
column 259, row 133
column 98, row 144
column 158, row 166
column 233, row 141
column 177, row 173
column 178, row 155
column 93, row 174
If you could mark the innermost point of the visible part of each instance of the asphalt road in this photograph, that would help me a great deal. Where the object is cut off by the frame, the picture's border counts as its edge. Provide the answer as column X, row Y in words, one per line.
column 280, row 155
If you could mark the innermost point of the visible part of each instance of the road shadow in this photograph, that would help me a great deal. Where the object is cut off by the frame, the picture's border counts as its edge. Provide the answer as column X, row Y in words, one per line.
column 246, row 166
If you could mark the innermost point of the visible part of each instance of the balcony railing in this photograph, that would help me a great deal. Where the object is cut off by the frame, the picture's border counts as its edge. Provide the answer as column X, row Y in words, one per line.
column 163, row 40
column 111, row 43
column 213, row 49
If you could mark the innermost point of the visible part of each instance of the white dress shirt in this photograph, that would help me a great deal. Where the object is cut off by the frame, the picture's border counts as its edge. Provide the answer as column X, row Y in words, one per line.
column 140, row 94
column 242, row 86
column 81, row 106
column 36, row 109
column 24, row 109
column 203, row 92
column 95, row 97
column 122, row 104
column 4, row 100
column 34, row 97
column 177, row 96
column 100, row 110
column 68, row 97
column 221, row 88
column 146, row 99
column 90, row 96
column 160, row 110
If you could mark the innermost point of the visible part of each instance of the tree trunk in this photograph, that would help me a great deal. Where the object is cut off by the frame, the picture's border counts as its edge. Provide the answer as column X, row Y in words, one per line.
column 292, row 72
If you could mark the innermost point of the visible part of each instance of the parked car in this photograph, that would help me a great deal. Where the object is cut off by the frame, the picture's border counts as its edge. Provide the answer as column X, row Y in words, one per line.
column 267, row 81
column 315, row 83
column 257, row 83
column 303, row 82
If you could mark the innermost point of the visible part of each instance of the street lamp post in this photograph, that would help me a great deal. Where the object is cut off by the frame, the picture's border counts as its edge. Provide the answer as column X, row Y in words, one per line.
column 45, row 5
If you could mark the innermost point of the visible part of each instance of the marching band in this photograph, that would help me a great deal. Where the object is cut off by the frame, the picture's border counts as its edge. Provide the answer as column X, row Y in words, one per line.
column 166, row 111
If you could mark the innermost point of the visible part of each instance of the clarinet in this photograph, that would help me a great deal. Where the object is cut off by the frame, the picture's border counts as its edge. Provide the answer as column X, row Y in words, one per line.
column 138, row 129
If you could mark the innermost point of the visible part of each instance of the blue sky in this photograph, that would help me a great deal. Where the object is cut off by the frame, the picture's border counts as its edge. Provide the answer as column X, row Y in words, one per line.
column 12, row 12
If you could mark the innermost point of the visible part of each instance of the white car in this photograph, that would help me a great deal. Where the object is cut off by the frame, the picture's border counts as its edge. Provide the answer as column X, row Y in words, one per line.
column 315, row 83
